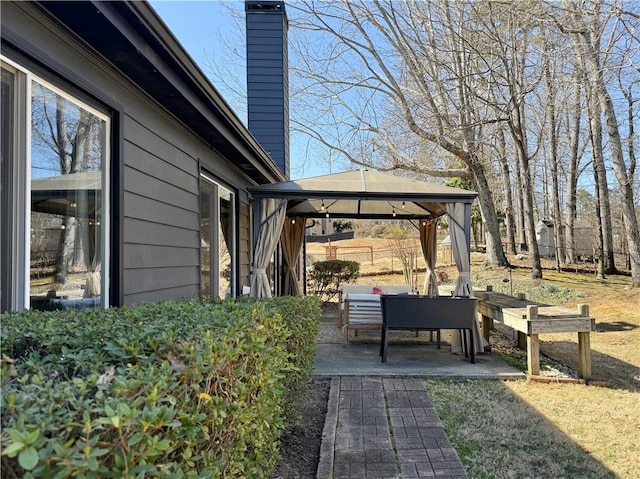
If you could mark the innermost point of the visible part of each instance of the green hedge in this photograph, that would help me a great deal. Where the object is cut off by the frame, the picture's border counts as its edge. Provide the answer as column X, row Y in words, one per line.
column 163, row 390
column 327, row 277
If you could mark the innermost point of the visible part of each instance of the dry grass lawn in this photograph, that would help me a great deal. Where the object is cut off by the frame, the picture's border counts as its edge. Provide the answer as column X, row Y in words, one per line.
column 520, row 429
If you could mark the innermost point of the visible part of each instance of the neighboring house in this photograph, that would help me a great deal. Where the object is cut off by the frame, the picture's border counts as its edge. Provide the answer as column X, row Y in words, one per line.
column 583, row 239
column 124, row 174
column 546, row 239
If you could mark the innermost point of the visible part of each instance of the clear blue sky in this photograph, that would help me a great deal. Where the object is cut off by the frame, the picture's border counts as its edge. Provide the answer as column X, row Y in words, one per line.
column 199, row 26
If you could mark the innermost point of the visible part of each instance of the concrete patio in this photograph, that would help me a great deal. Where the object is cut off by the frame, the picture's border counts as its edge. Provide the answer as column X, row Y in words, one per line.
column 380, row 422
column 407, row 356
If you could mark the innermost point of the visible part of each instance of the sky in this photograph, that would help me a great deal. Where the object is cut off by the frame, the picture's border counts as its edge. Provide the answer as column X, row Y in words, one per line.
column 200, row 27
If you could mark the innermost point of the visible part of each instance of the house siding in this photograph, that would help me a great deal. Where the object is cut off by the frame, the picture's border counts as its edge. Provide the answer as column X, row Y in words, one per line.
column 160, row 164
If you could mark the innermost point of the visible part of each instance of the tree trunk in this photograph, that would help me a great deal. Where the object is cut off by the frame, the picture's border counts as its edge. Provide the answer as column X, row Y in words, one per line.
column 505, row 176
column 495, row 253
column 572, row 176
column 625, row 183
column 553, row 164
column 523, row 245
column 518, row 132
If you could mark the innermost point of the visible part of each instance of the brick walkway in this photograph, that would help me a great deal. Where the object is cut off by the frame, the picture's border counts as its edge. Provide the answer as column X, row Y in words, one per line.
column 384, row 428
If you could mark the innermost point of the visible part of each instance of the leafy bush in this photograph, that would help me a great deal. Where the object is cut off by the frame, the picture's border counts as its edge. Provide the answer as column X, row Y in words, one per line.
column 327, row 277
column 342, row 225
column 302, row 317
column 163, row 390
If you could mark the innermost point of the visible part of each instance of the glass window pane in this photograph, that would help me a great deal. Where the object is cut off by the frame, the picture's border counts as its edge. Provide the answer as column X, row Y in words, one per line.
column 205, row 239
column 227, row 241
column 6, row 195
column 68, row 158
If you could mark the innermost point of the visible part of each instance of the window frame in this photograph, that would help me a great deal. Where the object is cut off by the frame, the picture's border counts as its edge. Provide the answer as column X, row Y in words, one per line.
column 215, row 270
column 20, row 244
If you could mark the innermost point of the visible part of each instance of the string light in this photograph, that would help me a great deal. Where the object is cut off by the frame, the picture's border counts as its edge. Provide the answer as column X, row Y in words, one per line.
column 327, row 215
column 293, row 221
column 322, row 207
column 394, row 211
column 403, row 205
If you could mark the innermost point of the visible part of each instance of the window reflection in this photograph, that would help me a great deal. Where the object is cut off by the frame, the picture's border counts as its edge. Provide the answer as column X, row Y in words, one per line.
column 217, row 239
column 68, row 155
column 226, row 242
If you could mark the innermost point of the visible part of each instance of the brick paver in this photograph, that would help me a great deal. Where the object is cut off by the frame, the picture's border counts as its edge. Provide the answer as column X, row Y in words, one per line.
column 388, row 428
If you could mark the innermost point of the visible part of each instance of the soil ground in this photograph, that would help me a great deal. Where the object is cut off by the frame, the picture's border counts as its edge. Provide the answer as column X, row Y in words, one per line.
column 615, row 344
column 300, row 443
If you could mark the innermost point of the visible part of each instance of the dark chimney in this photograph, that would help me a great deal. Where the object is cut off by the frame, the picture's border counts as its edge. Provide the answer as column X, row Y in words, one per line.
column 268, row 78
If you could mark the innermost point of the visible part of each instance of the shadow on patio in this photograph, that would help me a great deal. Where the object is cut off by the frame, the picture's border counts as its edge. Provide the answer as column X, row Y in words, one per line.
column 407, row 356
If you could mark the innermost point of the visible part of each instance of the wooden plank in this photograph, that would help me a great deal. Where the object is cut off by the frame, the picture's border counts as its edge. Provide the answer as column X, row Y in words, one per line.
column 543, row 312
column 560, row 325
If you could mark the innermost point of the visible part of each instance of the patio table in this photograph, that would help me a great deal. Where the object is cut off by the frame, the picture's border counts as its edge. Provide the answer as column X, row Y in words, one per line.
column 428, row 312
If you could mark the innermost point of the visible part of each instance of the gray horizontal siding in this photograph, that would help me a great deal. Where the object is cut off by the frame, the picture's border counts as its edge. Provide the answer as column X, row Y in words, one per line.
column 169, row 294
column 159, row 211
column 145, row 232
column 273, row 49
column 146, row 280
column 144, row 185
column 138, row 256
column 257, row 21
column 161, row 157
column 177, row 293
column 268, row 56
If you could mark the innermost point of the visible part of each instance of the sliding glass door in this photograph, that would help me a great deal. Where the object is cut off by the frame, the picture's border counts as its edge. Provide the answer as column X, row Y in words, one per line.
column 217, row 240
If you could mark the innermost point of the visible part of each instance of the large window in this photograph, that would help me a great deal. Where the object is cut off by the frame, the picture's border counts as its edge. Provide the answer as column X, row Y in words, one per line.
column 217, row 240
column 54, row 196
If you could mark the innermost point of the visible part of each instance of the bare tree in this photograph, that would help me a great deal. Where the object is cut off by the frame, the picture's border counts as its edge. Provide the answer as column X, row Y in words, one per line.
column 573, row 127
column 408, row 65
column 65, row 141
column 584, row 23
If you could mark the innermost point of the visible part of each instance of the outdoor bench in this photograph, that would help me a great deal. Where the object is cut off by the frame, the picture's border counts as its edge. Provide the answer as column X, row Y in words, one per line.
column 363, row 312
column 428, row 312
column 366, row 289
column 531, row 319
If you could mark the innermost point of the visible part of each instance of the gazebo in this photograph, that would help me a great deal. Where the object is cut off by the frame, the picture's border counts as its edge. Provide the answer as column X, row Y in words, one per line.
column 356, row 194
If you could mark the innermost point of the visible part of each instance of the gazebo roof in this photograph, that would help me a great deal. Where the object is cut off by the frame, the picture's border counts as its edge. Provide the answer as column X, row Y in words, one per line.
column 363, row 194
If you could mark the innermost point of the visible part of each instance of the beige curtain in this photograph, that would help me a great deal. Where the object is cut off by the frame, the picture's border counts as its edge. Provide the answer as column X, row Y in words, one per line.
column 459, row 220
column 291, row 241
column 272, row 213
column 428, row 235
column 460, row 247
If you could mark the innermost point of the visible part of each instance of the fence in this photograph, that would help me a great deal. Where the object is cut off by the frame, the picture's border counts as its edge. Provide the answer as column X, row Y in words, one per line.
column 385, row 259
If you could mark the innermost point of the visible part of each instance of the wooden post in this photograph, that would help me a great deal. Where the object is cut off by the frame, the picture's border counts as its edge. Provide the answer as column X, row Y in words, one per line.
column 522, row 338
column 486, row 326
column 584, row 347
column 487, row 322
column 533, row 345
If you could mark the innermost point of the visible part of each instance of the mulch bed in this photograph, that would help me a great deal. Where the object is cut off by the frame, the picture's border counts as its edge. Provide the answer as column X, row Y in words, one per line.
column 300, row 443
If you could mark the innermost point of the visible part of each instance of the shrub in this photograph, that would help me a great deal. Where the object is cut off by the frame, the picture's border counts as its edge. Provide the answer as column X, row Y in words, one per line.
column 328, row 277
column 164, row 390
column 302, row 317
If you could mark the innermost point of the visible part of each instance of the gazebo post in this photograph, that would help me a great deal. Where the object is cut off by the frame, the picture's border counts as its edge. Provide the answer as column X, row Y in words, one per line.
column 256, row 231
column 467, row 227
